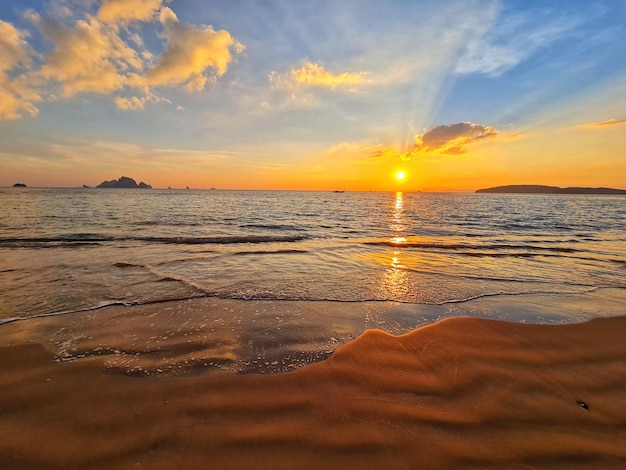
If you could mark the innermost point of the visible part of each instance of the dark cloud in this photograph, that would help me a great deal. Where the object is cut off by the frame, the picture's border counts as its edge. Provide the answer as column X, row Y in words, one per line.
column 452, row 139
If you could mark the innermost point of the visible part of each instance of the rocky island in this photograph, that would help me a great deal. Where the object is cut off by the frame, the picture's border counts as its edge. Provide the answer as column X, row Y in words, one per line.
column 124, row 182
column 540, row 189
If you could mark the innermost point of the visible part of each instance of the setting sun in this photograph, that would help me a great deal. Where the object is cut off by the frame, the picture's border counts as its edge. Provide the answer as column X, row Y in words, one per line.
column 400, row 176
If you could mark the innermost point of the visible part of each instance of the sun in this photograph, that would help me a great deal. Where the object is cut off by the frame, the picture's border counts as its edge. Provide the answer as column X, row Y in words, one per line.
column 400, row 176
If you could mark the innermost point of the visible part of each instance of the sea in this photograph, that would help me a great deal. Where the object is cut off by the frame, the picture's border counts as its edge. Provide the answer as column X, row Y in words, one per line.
column 265, row 281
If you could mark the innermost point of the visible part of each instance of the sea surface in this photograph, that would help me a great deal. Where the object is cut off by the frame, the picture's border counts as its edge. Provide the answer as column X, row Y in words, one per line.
column 388, row 260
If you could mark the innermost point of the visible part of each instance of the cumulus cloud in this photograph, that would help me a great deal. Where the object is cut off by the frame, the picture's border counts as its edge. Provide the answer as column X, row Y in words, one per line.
column 138, row 103
column 313, row 74
column 90, row 57
column 14, row 50
column 17, row 97
column 607, row 123
column 452, row 139
column 127, row 11
column 102, row 54
column 16, row 93
column 133, row 103
column 190, row 53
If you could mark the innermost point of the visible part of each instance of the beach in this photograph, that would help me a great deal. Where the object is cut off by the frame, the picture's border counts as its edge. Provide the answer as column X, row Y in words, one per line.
column 312, row 235
column 242, row 329
column 459, row 393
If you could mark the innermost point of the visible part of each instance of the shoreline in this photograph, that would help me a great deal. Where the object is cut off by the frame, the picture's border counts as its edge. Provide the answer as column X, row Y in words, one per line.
column 458, row 393
column 208, row 334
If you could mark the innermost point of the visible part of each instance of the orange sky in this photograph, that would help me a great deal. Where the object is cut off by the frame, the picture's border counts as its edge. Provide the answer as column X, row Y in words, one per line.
column 333, row 96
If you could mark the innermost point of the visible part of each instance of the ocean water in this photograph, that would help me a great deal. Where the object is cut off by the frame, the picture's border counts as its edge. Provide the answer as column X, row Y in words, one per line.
column 390, row 260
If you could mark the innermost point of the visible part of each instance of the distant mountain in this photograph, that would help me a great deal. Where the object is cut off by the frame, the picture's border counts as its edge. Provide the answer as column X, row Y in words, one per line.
column 19, row 185
column 124, row 182
column 539, row 189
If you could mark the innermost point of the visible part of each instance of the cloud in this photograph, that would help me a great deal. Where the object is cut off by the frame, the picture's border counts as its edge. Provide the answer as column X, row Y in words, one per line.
column 315, row 75
column 16, row 93
column 450, row 139
column 14, row 50
column 17, row 97
column 353, row 151
column 190, row 52
column 115, row 154
column 453, row 138
column 99, row 54
column 510, row 42
column 127, row 11
column 300, row 87
column 607, row 123
column 138, row 103
column 90, row 57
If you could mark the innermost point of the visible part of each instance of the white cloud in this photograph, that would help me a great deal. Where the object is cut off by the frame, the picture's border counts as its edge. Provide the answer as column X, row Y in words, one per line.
column 138, row 103
column 300, row 87
column 91, row 57
column 193, row 56
column 313, row 74
column 100, row 54
column 14, row 50
column 132, row 103
column 16, row 93
column 127, row 11
column 511, row 42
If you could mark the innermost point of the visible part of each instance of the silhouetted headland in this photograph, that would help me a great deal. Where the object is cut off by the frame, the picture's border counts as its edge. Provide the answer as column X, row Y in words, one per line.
column 540, row 189
column 124, row 182
column 19, row 185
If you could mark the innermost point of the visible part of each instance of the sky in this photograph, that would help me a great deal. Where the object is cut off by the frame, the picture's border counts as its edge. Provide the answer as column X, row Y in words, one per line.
column 313, row 94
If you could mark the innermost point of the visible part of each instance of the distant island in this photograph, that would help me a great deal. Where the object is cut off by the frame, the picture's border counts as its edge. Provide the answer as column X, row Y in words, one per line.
column 540, row 189
column 19, row 185
column 124, row 182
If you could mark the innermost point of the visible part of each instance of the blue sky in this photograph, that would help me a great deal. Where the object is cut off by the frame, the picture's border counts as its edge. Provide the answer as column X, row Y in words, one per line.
column 313, row 94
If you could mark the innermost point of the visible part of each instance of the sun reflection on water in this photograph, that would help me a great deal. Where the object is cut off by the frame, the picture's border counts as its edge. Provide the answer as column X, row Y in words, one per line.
column 397, row 225
column 395, row 281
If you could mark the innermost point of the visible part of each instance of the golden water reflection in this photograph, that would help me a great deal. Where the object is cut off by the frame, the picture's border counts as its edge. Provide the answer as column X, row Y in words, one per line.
column 395, row 282
column 396, row 225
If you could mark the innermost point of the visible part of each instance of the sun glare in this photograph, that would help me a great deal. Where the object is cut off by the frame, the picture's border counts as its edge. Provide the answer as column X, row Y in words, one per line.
column 400, row 176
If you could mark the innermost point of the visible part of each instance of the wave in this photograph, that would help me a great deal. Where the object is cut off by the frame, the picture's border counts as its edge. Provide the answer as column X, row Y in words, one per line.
column 465, row 246
column 273, row 252
column 513, row 294
column 228, row 240
column 127, row 265
column 157, row 223
column 276, row 297
column 100, row 306
column 78, row 240
column 273, row 227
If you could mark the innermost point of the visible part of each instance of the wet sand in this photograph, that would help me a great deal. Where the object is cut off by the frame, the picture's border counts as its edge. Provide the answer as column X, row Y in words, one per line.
column 460, row 393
